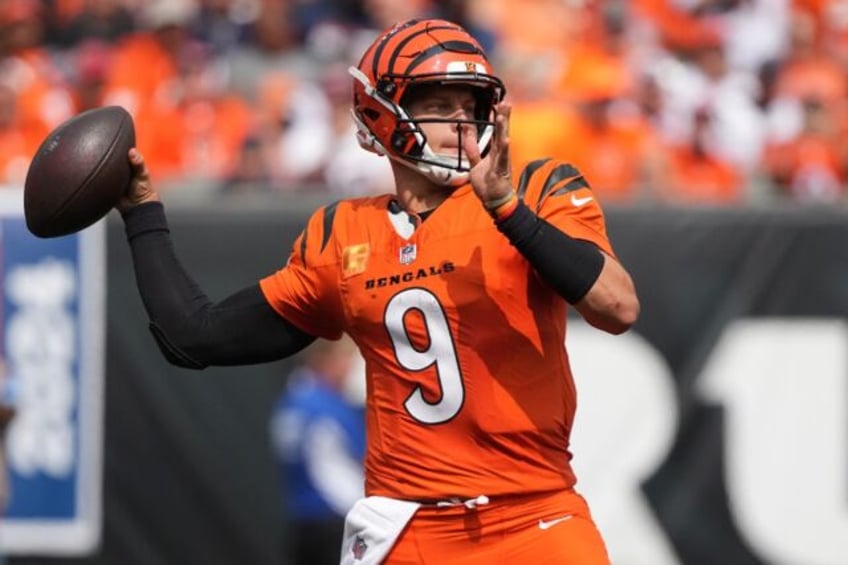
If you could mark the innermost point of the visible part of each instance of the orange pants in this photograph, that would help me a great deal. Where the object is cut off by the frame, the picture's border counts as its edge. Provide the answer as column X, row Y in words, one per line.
column 554, row 528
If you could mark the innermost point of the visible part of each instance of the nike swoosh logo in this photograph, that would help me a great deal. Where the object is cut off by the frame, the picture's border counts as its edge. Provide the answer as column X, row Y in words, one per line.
column 580, row 201
column 547, row 524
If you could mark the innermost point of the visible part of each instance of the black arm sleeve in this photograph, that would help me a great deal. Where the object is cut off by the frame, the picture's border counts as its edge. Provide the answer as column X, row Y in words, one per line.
column 571, row 266
column 189, row 328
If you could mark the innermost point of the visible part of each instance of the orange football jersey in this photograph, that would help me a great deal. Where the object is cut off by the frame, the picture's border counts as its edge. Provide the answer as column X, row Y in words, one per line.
column 469, row 386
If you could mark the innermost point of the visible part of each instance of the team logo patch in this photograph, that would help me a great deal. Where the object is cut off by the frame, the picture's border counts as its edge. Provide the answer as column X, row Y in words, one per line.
column 359, row 548
column 355, row 259
column 408, row 254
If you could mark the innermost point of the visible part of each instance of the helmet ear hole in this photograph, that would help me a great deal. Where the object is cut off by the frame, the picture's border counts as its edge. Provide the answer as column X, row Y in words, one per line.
column 404, row 143
column 398, row 141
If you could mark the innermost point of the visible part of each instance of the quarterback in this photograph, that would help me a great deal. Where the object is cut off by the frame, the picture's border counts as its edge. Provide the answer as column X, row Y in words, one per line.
column 455, row 288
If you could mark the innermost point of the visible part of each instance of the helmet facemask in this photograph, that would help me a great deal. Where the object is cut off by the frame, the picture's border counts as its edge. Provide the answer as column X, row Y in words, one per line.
column 409, row 140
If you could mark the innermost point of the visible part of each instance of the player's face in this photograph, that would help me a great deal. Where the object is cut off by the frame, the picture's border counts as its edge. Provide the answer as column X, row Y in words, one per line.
column 442, row 102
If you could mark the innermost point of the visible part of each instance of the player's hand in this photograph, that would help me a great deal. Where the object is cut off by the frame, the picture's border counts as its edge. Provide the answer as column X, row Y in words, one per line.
column 491, row 177
column 141, row 188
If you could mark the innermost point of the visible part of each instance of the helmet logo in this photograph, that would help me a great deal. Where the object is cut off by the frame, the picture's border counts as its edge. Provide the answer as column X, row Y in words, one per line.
column 465, row 67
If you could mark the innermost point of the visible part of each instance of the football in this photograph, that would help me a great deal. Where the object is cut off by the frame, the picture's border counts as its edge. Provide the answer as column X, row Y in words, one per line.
column 79, row 172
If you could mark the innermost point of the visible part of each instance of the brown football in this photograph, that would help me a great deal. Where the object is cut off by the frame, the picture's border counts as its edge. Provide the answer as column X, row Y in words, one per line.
column 79, row 172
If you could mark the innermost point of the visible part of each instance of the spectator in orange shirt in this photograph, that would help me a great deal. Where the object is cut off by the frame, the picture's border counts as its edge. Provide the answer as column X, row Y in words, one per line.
column 18, row 140
column 188, row 125
column 808, row 70
column 605, row 48
column 91, row 60
column 143, row 69
column 813, row 166
column 679, row 29
column 613, row 143
column 198, row 128
column 43, row 99
column 696, row 176
column 538, row 27
column 542, row 123
column 833, row 25
column 582, row 113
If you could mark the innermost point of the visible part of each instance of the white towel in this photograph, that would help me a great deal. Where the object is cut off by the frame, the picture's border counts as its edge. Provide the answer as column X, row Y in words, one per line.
column 372, row 527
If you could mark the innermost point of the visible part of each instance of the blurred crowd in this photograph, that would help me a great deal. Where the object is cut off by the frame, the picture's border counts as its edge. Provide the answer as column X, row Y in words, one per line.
column 704, row 102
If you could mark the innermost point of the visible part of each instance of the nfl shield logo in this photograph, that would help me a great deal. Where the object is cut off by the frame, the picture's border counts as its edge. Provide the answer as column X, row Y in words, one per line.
column 359, row 547
column 407, row 254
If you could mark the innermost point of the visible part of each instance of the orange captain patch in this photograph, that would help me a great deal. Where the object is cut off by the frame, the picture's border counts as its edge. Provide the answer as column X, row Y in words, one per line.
column 355, row 259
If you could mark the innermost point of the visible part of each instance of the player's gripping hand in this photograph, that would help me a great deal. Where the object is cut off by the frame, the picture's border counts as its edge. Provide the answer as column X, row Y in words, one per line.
column 140, row 189
column 491, row 178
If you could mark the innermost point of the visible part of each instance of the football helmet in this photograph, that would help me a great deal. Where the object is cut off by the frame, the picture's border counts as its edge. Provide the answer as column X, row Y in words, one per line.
column 412, row 53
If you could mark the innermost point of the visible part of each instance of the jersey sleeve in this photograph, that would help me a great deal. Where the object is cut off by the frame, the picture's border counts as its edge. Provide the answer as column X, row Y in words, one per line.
column 558, row 193
column 305, row 291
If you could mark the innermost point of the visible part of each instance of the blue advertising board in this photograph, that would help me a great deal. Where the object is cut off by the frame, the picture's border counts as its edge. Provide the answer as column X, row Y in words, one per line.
column 53, row 312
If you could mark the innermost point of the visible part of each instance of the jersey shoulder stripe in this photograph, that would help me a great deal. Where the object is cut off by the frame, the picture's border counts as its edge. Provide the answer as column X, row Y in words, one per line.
column 564, row 172
column 527, row 174
column 574, row 184
column 331, row 222
column 545, row 178
column 329, row 217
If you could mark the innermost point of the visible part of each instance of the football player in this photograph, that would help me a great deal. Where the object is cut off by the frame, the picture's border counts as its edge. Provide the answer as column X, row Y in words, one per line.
column 455, row 289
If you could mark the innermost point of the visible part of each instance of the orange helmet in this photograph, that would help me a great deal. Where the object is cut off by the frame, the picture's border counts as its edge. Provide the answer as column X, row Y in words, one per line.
column 412, row 53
